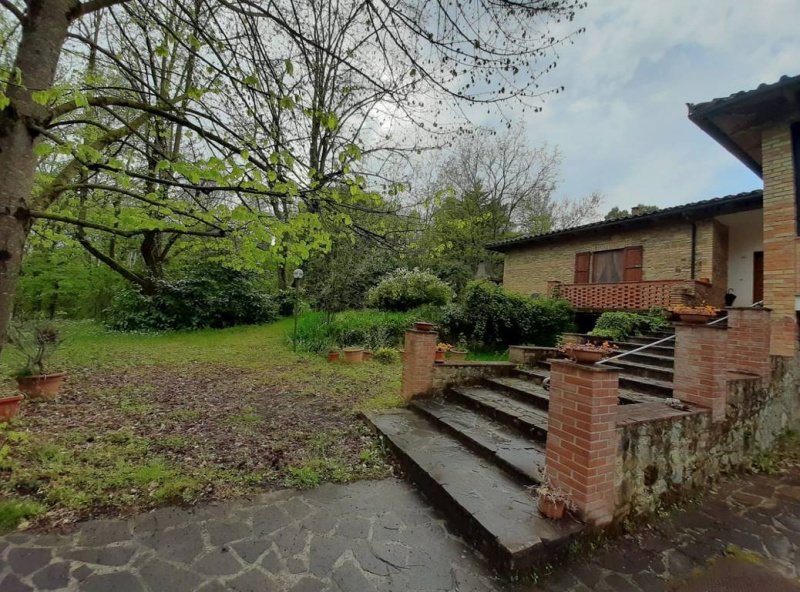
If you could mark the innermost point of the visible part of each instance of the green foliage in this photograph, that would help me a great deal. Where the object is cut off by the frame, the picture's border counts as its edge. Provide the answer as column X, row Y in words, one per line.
column 385, row 355
column 618, row 326
column 317, row 332
column 489, row 316
column 405, row 289
column 13, row 512
column 36, row 342
column 207, row 296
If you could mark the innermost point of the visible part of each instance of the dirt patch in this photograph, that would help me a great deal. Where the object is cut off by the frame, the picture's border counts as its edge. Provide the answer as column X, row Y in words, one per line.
column 134, row 438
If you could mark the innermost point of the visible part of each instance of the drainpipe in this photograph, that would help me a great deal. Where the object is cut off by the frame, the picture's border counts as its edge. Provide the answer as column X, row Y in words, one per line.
column 694, row 251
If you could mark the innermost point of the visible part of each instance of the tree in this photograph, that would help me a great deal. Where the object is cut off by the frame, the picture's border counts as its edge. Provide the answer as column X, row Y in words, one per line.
column 443, row 46
column 616, row 213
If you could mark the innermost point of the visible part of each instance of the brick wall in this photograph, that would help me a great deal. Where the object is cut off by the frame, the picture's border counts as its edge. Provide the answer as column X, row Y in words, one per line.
column 666, row 256
column 780, row 239
column 420, row 348
column 582, row 438
column 748, row 341
column 701, row 353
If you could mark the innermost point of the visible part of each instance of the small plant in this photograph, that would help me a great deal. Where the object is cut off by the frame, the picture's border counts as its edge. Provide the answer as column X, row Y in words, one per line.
column 704, row 309
column 587, row 352
column 553, row 501
column 385, row 355
column 37, row 344
column 444, row 347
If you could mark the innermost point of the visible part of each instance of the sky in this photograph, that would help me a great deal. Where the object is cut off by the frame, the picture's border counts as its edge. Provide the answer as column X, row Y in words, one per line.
column 621, row 122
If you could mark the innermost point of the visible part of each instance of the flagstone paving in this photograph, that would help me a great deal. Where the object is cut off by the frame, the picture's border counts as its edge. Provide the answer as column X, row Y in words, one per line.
column 381, row 536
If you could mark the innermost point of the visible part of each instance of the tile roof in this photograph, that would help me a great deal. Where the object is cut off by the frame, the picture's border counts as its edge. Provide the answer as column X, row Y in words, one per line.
column 699, row 108
column 747, row 200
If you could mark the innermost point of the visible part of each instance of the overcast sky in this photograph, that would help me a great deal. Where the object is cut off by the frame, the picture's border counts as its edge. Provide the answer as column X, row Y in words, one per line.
column 621, row 123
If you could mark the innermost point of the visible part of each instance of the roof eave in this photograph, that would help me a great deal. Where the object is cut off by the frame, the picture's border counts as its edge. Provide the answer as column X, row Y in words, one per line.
column 702, row 121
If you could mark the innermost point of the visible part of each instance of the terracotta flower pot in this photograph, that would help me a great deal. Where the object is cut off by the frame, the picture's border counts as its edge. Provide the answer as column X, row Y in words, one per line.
column 552, row 509
column 694, row 318
column 367, row 355
column 353, row 355
column 44, row 387
column 333, row 356
column 9, row 407
column 457, row 355
column 586, row 357
column 438, row 357
column 421, row 326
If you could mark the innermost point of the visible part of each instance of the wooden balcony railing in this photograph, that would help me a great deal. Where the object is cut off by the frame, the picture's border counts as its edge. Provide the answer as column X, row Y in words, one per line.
column 632, row 295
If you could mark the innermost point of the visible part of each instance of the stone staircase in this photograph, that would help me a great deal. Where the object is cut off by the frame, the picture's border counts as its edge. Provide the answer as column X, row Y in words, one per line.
column 478, row 452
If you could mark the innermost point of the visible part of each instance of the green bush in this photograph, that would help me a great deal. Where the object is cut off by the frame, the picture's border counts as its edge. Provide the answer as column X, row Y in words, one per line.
column 405, row 289
column 618, row 326
column 385, row 355
column 207, row 296
column 318, row 332
column 489, row 317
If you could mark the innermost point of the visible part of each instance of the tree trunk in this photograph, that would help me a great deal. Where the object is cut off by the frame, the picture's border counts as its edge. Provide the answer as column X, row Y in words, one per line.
column 43, row 35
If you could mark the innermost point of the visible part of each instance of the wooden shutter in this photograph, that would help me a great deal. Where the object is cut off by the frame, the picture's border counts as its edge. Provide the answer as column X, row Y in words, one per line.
column 633, row 264
column 582, row 261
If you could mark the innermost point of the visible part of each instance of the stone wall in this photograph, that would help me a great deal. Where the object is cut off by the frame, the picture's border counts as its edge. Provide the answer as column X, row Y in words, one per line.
column 461, row 373
column 667, row 254
column 660, row 461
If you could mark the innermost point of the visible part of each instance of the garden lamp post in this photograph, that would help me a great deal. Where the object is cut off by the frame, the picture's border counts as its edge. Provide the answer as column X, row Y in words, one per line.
column 298, row 275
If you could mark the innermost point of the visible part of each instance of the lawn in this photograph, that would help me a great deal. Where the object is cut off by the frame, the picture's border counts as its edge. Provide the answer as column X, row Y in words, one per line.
column 148, row 420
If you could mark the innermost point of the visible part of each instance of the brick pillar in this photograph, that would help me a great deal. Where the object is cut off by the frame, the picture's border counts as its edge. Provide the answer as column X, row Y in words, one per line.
column 700, row 364
column 420, row 349
column 582, row 438
column 748, row 341
column 780, row 237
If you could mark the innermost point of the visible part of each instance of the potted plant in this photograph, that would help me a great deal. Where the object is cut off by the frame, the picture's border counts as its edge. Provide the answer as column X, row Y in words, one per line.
column 441, row 350
column 553, row 502
column 9, row 406
column 353, row 355
column 37, row 344
column 587, row 353
column 459, row 352
column 694, row 314
column 333, row 355
column 424, row 326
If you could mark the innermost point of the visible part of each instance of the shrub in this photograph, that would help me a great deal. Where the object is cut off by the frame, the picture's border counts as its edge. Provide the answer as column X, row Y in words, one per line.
column 490, row 317
column 403, row 290
column 618, row 326
column 385, row 355
column 318, row 332
column 208, row 296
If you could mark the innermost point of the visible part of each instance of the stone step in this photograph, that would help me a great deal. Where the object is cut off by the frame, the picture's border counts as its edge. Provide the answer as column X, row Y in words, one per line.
column 529, row 419
column 485, row 505
column 519, row 456
column 633, row 368
column 627, row 397
column 665, row 349
column 649, row 359
column 631, row 382
column 521, row 388
column 534, row 374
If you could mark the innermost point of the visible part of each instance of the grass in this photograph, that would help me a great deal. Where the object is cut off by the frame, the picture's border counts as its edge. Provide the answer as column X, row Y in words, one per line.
column 153, row 419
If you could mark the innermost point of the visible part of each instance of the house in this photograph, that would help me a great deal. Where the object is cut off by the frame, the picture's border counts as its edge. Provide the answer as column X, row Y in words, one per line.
column 746, row 243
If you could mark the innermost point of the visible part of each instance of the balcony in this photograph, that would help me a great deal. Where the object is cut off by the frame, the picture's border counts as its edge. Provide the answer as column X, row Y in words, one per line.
column 632, row 295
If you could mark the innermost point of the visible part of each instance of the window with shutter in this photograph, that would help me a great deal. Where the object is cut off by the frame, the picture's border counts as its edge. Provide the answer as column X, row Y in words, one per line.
column 608, row 267
column 582, row 261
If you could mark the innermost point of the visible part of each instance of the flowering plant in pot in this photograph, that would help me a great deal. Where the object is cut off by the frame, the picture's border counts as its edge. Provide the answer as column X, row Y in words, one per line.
column 37, row 344
column 587, row 353
column 694, row 314
column 441, row 350
column 553, row 502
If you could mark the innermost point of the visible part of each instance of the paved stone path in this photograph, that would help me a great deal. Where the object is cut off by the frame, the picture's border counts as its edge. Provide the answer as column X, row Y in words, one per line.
column 355, row 538
column 381, row 536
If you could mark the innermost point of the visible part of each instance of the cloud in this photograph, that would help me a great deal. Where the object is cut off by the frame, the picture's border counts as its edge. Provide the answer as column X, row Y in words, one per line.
column 621, row 123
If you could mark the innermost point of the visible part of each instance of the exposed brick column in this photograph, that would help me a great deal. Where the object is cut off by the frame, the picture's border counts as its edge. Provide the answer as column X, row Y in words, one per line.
column 420, row 349
column 748, row 341
column 700, row 364
column 582, row 437
column 780, row 238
